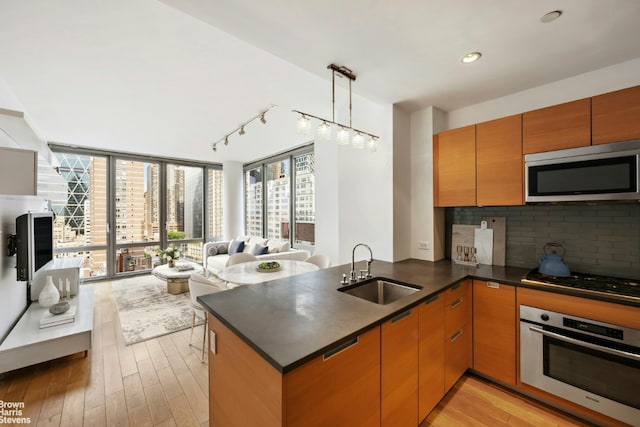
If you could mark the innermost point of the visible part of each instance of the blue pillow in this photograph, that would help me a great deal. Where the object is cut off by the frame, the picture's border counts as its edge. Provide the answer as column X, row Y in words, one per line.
column 260, row 250
column 236, row 246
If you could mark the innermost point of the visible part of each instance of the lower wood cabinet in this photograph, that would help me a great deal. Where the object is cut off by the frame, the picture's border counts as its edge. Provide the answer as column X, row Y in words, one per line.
column 458, row 332
column 399, row 373
column 430, row 355
column 339, row 388
column 494, row 330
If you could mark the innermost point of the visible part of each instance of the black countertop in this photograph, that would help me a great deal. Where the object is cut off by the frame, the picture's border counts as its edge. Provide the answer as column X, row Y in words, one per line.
column 292, row 320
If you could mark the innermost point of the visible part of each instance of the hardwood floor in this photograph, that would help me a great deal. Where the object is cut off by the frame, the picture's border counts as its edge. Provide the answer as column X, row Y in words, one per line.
column 475, row 402
column 161, row 382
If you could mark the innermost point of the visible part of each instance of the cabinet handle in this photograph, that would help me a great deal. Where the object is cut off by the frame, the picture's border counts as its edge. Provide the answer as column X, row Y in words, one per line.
column 401, row 316
column 456, row 286
column 456, row 303
column 456, row 335
column 432, row 299
column 493, row 285
column 339, row 348
column 212, row 342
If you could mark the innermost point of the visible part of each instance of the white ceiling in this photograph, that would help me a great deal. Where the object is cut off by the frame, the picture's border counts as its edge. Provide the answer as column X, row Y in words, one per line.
column 146, row 77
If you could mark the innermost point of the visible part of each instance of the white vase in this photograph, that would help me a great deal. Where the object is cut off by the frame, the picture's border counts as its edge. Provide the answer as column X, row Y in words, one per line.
column 49, row 294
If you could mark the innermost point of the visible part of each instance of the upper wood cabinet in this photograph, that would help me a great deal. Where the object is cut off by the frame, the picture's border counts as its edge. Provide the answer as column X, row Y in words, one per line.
column 455, row 158
column 616, row 116
column 494, row 330
column 500, row 177
column 557, row 127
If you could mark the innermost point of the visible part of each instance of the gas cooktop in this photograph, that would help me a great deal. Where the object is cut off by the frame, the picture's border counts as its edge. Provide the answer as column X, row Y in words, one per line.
column 614, row 287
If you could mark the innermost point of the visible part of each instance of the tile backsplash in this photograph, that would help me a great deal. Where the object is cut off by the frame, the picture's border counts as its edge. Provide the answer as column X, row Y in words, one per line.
column 598, row 238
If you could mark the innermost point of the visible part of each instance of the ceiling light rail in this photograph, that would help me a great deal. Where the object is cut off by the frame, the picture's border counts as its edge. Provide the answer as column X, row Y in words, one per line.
column 241, row 129
column 344, row 131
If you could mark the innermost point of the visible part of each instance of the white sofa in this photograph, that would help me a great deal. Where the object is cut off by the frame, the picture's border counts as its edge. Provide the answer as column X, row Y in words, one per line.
column 215, row 254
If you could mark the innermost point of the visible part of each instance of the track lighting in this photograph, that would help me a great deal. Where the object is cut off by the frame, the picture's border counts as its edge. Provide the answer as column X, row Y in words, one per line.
column 240, row 129
column 303, row 124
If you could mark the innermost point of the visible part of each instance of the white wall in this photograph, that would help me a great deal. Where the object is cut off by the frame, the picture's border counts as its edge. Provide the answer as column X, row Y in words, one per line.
column 402, row 196
column 585, row 85
column 427, row 223
column 232, row 200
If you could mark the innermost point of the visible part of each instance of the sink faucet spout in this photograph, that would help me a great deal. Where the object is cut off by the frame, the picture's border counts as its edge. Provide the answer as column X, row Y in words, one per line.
column 352, row 274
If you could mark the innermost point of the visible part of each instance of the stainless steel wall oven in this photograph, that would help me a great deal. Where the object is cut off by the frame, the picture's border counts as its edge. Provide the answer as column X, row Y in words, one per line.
column 591, row 363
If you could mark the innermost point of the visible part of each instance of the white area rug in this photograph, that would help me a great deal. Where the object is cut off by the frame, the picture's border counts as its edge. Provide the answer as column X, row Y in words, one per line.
column 146, row 310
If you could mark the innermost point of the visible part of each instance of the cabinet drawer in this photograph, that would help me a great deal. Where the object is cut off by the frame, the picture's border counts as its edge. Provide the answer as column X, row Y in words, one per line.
column 457, row 310
column 457, row 351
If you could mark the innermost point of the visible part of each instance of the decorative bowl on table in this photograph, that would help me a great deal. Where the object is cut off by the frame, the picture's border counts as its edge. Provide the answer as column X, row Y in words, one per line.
column 268, row 267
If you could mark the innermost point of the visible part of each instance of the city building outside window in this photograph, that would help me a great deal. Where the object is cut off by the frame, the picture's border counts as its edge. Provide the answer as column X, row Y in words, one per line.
column 288, row 184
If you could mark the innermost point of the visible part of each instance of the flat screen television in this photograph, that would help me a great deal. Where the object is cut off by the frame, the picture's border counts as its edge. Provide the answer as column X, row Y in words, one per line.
column 34, row 243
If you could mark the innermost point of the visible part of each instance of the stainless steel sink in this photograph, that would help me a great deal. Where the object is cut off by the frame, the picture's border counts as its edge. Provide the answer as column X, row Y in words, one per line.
column 380, row 290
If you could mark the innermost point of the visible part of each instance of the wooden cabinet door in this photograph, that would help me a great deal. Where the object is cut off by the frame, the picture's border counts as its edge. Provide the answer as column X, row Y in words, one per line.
column 458, row 332
column 456, row 164
column 430, row 355
column 616, row 116
column 340, row 388
column 494, row 330
column 557, row 127
column 244, row 389
column 499, row 162
column 399, row 373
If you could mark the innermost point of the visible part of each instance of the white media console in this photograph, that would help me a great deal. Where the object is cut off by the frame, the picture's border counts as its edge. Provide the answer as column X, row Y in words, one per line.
column 28, row 344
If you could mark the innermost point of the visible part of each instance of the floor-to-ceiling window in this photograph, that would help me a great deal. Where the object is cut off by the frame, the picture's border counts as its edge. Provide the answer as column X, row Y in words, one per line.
column 136, row 190
column 80, row 226
column 214, row 204
column 253, row 189
column 184, row 207
column 279, row 197
column 122, row 209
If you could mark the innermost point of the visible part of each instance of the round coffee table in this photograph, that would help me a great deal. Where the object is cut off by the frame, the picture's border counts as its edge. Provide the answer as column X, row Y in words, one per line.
column 177, row 281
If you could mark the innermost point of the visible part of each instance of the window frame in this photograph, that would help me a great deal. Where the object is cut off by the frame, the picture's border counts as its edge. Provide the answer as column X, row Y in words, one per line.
column 262, row 165
column 112, row 158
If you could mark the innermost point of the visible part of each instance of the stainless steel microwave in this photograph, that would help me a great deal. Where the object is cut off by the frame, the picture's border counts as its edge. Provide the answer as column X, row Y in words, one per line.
column 596, row 172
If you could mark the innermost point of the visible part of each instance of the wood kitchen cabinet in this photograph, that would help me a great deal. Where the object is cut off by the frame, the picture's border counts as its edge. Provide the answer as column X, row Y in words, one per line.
column 430, row 355
column 557, row 127
column 494, row 330
column 399, row 373
column 499, row 163
column 339, row 388
column 616, row 116
column 455, row 159
column 458, row 332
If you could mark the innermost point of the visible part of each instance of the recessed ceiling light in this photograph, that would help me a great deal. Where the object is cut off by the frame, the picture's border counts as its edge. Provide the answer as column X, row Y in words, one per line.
column 470, row 57
column 551, row 16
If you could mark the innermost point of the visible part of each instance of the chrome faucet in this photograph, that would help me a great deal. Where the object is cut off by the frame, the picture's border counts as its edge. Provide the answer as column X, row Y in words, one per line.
column 352, row 275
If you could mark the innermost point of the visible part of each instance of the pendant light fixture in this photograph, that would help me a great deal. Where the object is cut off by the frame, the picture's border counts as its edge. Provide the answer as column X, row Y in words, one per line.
column 344, row 132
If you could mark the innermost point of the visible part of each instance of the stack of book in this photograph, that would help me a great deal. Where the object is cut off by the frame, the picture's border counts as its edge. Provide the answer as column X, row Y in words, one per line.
column 49, row 319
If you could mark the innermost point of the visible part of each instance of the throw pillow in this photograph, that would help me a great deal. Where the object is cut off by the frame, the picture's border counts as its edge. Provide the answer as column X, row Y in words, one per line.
column 222, row 248
column 236, row 246
column 273, row 249
column 260, row 250
column 258, row 241
column 212, row 251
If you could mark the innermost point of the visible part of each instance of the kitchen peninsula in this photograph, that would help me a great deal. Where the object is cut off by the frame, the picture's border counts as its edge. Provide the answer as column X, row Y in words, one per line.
column 296, row 351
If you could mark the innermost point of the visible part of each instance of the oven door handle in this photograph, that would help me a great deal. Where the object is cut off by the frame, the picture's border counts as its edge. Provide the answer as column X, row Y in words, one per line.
column 561, row 337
